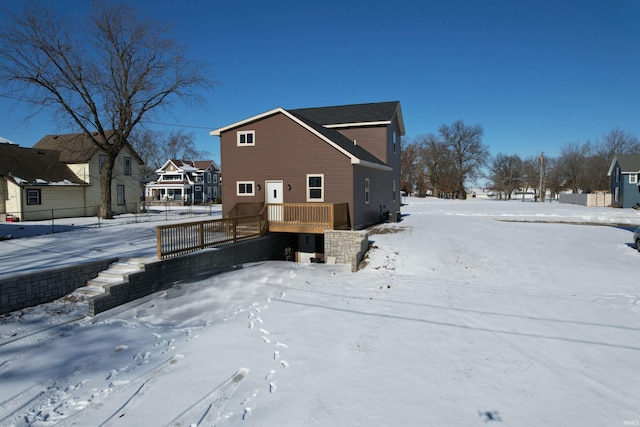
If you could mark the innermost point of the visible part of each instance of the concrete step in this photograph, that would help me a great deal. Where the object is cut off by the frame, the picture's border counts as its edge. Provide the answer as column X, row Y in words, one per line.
column 100, row 281
column 91, row 290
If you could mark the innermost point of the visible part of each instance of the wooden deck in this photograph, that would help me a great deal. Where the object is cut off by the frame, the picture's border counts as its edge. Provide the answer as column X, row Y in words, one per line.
column 251, row 220
column 308, row 217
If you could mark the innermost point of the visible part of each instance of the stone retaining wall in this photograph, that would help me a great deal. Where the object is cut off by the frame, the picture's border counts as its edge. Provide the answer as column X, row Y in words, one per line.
column 163, row 274
column 28, row 290
column 347, row 247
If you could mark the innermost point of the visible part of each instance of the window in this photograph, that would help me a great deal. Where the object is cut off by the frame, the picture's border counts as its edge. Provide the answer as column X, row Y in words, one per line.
column 633, row 178
column 315, row 188
column 394, row 190
column 366, row 190
column 245, row 188
column 209, row 177
column 127, row 165
column 101, row 159
column 616, row 195
column 33, row 197
column 121, row 195
column 394, row 141
column 246, row 137
column 617, row 173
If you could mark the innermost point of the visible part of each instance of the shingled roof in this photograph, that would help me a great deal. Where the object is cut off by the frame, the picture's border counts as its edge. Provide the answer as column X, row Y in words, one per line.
column 629, row 163
column 346, row 115
column 35, row 166
column 76, row 147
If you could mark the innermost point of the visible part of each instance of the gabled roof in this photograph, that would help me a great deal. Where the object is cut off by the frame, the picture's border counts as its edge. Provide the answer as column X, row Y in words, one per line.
column 34, row 166
column 76, row 147
column 629, row 163
column 324, row 120
column 189, row 165
column 375, row 113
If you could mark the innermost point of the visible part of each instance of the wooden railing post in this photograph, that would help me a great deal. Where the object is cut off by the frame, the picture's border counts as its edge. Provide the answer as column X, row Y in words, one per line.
column 159, row 242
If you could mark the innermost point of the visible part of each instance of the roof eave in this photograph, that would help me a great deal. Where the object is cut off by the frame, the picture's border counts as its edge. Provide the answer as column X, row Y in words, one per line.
column 217, row 132
column 366, row 164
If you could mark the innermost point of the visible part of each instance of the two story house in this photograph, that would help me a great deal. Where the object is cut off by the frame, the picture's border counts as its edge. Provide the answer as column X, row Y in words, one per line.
column 60, row 177
column 624, row 174
column 342, row 158
column 185, row 182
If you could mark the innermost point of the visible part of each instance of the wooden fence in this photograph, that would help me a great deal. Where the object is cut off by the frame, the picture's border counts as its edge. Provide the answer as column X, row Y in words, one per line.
column 179, row 239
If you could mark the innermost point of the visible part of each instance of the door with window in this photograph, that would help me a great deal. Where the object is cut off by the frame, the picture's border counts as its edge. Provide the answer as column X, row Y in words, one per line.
column 274, row 199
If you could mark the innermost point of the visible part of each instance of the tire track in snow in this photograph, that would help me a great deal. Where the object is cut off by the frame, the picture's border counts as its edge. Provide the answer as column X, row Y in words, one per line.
column 206, row 410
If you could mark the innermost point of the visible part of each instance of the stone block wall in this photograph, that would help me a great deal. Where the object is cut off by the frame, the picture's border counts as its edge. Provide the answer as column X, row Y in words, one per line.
column 347, row 247
column 163, row 274
column 27, row 290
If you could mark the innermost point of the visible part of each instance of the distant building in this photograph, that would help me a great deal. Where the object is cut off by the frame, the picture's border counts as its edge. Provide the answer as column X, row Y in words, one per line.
column 185, row 182
column 60, row 177
column 625, row 185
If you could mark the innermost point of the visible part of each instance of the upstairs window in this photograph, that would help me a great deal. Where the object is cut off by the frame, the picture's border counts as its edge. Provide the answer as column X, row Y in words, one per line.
column 633, row 178
column 127, row 165
column 101, row 159
column 366, row 190
column 245, row 188
column 315, row 188
column 617, row 173
column 246, row 137
column 394, row 141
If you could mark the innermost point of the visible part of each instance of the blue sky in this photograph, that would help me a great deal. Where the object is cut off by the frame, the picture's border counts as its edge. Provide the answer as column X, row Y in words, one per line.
column 536, row 74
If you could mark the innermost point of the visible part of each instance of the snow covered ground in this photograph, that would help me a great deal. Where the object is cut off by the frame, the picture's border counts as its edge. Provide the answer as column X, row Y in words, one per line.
column 466, row 313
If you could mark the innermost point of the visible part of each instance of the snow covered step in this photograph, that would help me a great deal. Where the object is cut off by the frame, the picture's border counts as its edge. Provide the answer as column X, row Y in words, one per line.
column 91, row 290
column 102, row 280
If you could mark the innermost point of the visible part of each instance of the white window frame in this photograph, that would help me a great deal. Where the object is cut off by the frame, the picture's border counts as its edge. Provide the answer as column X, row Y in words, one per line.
column 367, row 190
column 617, row 173
column 321, row 188
column 394, row 141
column 633, row 178
column 120, row 195
column 245, row 134
column 245, row 183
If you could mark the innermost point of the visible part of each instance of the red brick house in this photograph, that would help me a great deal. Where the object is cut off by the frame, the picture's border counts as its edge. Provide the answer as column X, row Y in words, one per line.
column 344, row 158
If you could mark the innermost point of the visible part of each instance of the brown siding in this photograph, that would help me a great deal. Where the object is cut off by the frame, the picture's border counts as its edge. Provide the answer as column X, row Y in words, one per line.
column 374, row 139
column 283, row 151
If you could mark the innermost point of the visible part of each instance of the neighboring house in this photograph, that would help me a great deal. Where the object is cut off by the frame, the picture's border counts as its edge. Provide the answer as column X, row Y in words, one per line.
column 625, row 184
column 185, row 182
column 347, row 155
column 34, row 183
column 60, row 177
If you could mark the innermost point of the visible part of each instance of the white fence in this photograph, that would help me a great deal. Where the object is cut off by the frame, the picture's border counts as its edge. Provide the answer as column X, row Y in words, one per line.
column 591, row 199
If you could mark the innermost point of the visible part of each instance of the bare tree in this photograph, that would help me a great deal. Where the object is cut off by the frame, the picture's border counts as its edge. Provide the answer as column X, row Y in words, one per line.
column 102, row 75
column 554, row 177
column 506, row 174
column 409, row 167
column 155, row 148
column 468, row 152
column 573, row 160
column 437, row 165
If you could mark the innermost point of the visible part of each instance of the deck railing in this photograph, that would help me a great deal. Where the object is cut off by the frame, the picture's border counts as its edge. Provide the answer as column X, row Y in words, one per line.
column 255, row 220
column 179, row 239
column 307, row 217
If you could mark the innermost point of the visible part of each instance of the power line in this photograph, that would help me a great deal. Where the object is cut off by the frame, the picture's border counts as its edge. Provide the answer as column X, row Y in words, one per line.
column 178, row 125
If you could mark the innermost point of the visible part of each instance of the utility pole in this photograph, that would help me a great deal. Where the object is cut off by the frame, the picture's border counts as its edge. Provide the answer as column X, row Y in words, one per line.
column 541, row 158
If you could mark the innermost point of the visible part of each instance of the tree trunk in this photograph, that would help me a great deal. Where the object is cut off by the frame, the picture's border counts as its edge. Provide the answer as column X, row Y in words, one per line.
column 106, row 175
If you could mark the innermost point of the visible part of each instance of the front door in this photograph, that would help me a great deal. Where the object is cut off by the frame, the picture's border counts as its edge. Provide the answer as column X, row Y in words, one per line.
column 275, row 198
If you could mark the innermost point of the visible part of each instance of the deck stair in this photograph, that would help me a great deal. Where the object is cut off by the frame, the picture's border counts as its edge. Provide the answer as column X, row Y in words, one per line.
column 117, row 273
